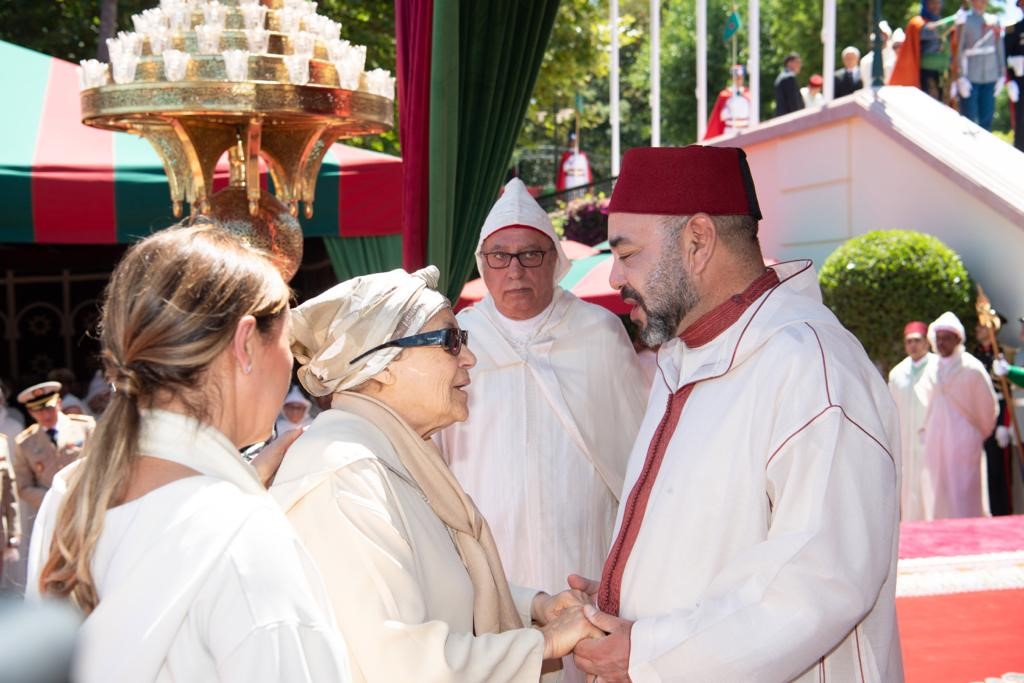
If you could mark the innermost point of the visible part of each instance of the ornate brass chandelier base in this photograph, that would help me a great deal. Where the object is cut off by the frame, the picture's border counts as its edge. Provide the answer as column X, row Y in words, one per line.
column 273, row 228
column 191, row 124
column 254, row 78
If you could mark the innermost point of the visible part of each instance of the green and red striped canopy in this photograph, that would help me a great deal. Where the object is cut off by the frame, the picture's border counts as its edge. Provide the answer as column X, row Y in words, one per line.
column 65, row 183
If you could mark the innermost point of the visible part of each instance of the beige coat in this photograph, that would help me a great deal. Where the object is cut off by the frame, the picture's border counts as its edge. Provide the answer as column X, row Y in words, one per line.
column 400, row 593
column 37, row 459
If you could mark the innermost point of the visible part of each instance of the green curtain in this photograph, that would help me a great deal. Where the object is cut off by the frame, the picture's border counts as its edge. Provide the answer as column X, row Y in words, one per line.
column 485, row 61
column 353, row 256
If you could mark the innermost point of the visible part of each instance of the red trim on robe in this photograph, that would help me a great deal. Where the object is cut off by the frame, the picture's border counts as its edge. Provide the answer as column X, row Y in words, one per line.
column 519, row 225
column 701, row 332
column 717, row 320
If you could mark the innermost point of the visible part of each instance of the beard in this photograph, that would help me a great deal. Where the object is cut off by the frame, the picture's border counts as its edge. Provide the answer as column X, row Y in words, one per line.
column 670, row 296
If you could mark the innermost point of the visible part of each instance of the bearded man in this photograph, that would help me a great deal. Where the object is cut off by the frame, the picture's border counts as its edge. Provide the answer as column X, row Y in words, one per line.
column 756, row 539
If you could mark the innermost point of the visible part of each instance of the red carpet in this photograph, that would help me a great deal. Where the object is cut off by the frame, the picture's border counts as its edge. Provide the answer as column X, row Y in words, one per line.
column 962, row 637
column 948, row 537
column 955, row 636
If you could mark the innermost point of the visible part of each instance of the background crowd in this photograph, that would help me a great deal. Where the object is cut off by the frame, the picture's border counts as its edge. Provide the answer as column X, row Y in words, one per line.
column 964, row 58
column 957, row 435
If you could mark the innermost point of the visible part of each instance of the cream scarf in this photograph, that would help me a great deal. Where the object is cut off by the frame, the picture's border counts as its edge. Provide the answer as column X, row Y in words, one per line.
column 493, row 609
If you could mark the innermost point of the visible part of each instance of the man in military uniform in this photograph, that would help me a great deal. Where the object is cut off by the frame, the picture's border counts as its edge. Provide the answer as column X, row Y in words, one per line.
column 10, row 526
column 42, row 450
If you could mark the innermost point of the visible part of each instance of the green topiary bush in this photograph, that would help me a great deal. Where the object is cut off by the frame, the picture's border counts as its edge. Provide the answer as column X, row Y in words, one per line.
column 878, row 282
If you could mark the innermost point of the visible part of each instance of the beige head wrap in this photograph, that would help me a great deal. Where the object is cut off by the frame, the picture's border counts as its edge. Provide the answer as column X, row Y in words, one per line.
column 355, row 316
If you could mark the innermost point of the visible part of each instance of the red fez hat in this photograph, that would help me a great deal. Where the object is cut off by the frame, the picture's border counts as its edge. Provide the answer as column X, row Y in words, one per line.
column 916, row 327
column 682, row 181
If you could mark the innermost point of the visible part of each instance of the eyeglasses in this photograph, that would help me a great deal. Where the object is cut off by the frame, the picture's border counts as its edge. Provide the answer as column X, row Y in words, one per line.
column 451, row 339
column 527, row 259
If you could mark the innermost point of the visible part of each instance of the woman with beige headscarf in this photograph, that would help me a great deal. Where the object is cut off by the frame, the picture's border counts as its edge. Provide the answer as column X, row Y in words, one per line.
column 411, row 567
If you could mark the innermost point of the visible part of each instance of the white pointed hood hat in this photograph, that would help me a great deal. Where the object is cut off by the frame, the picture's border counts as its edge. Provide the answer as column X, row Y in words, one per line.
column 516, row 208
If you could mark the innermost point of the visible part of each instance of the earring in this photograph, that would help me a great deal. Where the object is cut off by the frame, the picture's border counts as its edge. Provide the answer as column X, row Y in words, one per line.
column 247, row 369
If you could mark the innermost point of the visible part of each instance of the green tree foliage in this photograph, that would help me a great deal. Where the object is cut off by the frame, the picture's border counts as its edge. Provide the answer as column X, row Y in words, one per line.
column 70, row 29
column 577, row 61
column 370, row 23
column 878, row 282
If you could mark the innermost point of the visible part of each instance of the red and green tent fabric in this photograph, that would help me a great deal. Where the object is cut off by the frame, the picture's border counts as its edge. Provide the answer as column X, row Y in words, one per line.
column 466, row 72
column 66, row 183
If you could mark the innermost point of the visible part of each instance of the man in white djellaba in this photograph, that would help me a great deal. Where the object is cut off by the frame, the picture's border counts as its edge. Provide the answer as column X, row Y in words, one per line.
column 962, row 413
column 910, row 383
column 757, row 535
column 556, row 402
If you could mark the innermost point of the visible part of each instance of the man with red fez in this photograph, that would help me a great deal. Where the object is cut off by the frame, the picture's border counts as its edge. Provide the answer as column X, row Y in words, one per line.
column 961, row 414
column 731, row 112
column 911, row 383
column 757, row 535
column 556, row 400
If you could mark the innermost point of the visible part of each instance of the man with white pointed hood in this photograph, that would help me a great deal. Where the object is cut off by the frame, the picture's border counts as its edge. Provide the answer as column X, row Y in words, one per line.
column 294, row 412
column 961, row 414
column 555, row 404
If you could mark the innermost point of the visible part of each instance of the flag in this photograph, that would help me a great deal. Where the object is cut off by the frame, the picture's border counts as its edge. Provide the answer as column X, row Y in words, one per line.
column 733, row 23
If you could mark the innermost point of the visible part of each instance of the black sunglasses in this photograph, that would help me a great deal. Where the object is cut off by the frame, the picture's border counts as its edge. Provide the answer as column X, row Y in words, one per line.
column 452, row 339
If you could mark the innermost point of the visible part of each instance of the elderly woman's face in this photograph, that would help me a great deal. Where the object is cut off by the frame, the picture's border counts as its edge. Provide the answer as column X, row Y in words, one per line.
column 427, row 384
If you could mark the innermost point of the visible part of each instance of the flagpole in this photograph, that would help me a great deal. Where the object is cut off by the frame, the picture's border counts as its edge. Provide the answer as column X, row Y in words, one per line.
column 828, row 39
column 702, row 68
column 655, row 73
column 735, row 53
column 613, row 23
column 576, row 145
column 754, row 60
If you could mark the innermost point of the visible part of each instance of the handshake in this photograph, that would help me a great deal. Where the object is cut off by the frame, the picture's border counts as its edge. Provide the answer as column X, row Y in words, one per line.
column 572, row 624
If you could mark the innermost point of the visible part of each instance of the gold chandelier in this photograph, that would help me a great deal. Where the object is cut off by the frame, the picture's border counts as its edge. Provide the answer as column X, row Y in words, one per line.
column 268, row 79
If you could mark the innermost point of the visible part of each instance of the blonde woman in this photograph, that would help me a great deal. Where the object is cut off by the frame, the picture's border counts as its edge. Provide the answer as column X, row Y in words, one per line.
column 163, row 537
